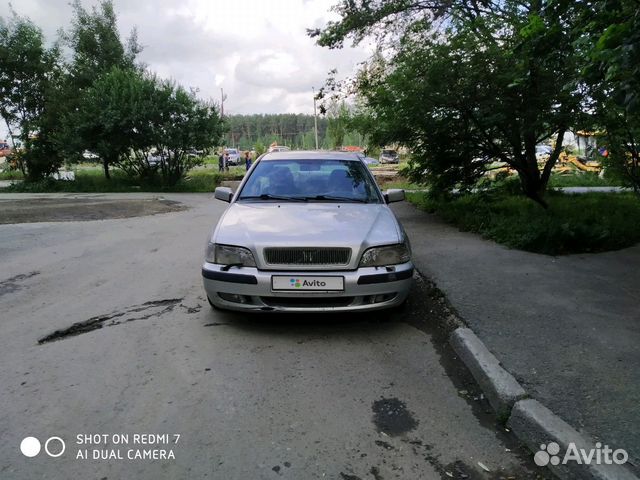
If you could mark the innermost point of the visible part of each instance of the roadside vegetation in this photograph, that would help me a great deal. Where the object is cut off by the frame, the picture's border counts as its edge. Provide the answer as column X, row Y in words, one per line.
column 93, row 180
column 11, row 175
column 585, row 179
column 593, row 222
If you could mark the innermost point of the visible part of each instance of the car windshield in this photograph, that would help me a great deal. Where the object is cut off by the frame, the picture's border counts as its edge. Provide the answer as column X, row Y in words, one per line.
column 232, row 151
column 388, row 152
column 310, row 180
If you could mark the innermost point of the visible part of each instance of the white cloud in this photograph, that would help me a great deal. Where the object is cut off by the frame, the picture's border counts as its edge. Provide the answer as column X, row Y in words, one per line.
column 258, row 51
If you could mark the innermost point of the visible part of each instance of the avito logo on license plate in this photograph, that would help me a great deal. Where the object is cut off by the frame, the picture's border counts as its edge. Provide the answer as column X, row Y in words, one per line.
column 323, row 284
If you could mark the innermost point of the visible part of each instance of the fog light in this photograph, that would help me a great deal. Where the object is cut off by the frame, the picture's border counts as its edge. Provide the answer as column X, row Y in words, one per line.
column 233, row 297
column 383, row 298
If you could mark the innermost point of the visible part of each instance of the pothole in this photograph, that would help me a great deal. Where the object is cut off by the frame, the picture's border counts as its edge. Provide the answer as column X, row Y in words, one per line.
column 391, row 416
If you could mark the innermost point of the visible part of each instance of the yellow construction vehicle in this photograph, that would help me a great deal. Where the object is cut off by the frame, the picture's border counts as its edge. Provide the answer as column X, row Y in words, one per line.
column 565, row 160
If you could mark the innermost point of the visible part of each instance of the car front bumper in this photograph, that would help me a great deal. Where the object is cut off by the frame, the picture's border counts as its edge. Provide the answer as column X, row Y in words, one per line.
column 250, row 289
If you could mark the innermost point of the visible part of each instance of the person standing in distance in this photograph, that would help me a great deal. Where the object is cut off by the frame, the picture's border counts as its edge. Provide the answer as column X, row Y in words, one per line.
column 225, row 163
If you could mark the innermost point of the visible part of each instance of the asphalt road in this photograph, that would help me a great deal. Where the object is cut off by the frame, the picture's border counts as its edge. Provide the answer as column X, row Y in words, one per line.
column 261, row 397
column 566, row 327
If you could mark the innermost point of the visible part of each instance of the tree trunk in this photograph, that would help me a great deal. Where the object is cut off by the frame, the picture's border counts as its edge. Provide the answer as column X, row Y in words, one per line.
column 533, row 185
column 105, row 165
column 534, row 182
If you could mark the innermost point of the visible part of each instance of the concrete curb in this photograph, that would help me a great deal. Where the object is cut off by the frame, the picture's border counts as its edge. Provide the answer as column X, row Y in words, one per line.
column 533, row 423
column 500, row 387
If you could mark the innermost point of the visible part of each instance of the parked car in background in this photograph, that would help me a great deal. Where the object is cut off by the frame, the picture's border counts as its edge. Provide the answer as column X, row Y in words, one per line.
column 87, row 155
column 234, row 156
column 277, row 247
column 194, row 153
column 389, row 156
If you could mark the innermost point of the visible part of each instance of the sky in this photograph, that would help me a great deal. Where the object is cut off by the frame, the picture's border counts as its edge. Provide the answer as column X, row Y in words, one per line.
column 256, row 50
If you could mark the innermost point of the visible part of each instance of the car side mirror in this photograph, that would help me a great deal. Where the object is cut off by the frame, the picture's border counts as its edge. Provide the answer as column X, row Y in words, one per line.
column 394, row 195
column 223, row 193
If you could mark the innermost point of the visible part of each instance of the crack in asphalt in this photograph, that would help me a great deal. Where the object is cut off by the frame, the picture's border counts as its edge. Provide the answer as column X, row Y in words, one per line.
column 195, row 309
column 160, row 307
column 12, row 284
column 346, row 476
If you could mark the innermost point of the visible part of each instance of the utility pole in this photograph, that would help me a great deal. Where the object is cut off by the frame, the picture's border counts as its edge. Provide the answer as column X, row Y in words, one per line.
column 315, row 116
column 223, row 97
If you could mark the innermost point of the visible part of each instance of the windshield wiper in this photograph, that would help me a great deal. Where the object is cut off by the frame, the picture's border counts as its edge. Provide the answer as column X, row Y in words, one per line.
column 268, row 196
column 337, row 198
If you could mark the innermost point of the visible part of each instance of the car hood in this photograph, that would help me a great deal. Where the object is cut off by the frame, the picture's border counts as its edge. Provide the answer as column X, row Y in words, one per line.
column 289, row 224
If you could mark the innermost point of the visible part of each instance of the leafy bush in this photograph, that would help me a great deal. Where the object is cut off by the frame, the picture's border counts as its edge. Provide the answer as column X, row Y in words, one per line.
column 592, row 222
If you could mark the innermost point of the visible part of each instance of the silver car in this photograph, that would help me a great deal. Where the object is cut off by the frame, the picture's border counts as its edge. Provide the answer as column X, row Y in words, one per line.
column 234, row 156
column 308, row 232
column 389, row 156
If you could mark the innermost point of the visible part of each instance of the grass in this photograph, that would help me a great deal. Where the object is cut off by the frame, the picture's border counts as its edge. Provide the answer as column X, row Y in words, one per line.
column 593, row 222
column 93, row 180
column 581, row 179
column 11, row 175
column 403, row 184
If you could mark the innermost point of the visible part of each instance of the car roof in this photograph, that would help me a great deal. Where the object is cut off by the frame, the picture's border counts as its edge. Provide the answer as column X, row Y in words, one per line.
column 310, row 155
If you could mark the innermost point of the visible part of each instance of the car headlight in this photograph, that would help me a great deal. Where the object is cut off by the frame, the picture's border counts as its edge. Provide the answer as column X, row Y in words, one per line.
column 387, row 255
column 229, row 255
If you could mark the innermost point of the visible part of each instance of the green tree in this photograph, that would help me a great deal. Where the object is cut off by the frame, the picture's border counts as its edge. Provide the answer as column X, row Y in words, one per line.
column 467, row 83
column 288, row 129
column 111, row 117
column 338, row 117
column 259, row 148
column 96, row 45
column 29, row 76
column 610, row 34
column 127, row 116
column 96, row 49
column 185, row 124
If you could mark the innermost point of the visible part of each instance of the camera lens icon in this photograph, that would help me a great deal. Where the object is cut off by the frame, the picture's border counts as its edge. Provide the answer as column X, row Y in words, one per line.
column 54, row 447
column 30, row 447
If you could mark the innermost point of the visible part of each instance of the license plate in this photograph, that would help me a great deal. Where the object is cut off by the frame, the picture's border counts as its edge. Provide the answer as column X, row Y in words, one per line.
column 307, row 284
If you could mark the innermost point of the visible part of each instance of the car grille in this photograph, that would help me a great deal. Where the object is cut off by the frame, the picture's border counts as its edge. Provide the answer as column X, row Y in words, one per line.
column 308, row 302
column 307, row 256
